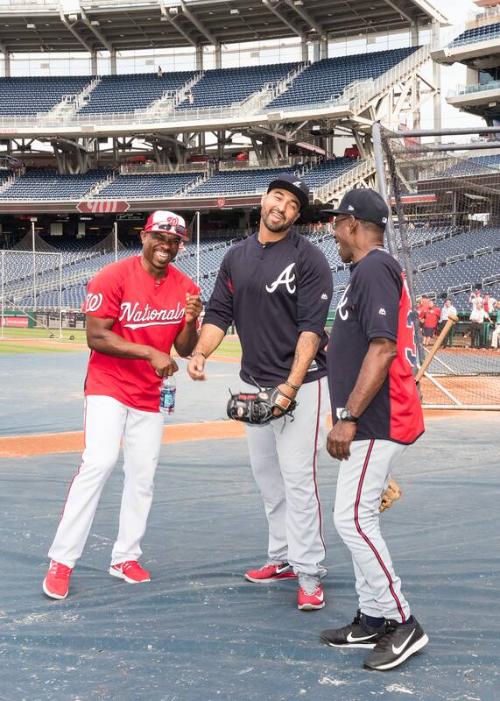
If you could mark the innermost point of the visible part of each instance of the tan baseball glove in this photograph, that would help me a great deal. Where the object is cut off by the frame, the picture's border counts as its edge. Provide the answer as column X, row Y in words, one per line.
column 390, row 495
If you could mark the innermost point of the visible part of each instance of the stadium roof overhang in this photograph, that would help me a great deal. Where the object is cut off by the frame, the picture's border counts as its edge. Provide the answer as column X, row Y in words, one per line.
column 484, row 52
column 118, row 25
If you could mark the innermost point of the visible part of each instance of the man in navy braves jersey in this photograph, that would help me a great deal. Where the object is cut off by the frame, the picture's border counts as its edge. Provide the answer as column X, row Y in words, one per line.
column 277, row 287
column 376, row 413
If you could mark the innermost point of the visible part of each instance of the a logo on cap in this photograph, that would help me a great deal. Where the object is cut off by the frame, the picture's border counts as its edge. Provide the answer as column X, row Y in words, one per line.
column 298, row 183
column 350, row 208
column 384, row 220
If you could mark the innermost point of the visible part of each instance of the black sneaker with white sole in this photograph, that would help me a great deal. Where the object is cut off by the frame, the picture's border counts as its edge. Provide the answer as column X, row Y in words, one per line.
column 356, row 634
column 400, row 641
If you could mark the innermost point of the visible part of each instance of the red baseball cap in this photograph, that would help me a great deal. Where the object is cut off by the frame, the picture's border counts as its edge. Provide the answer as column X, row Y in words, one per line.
column 168, row 223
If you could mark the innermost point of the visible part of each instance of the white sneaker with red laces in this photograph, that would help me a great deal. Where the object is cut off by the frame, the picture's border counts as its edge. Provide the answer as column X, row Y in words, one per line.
column 270, row 573
column 56, row 583
column 310, row 596
column 130, row 571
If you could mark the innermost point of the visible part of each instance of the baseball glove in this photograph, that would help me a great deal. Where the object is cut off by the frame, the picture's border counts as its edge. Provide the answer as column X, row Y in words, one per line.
column 258, row 408
column 390, row 495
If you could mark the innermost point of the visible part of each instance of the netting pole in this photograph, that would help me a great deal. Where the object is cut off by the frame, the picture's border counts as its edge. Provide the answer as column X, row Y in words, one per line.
column 378, row 154
column 115, row 239
column 60, row 295
column 2, row 273
column 405, row 248
column 34, row 260
column 198, row 248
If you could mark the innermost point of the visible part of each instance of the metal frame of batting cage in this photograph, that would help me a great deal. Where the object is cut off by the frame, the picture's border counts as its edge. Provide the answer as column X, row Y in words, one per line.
column 384, row 156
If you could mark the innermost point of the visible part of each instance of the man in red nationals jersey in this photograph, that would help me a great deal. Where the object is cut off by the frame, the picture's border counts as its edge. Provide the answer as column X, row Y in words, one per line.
column 376, row 414
column 136, row 309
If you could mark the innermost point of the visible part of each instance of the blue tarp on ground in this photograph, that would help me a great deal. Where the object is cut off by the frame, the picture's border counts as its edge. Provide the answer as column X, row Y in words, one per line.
column 199, row 631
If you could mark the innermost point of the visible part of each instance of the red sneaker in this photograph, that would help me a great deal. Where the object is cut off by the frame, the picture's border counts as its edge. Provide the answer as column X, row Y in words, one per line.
column 56, row 583
column 269, row 573
column 310, row 602
column 130, row 571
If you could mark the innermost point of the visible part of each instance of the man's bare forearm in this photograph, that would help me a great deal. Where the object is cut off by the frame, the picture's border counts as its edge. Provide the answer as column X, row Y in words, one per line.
column 110, row 343
column 210, row 338
column 187, row 339
column 305, row 352
column 372, row 375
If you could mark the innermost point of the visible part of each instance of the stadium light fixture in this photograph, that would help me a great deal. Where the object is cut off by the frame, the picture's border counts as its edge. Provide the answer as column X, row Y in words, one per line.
column 95, row 23
column 30, row 26
column 234, row 11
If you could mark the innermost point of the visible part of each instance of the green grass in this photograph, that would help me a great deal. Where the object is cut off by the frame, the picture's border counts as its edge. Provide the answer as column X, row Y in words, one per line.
column 230, row 347
column 22, row 342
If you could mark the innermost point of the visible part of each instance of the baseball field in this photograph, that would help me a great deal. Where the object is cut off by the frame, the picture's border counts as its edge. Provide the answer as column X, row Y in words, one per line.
column 198, row 631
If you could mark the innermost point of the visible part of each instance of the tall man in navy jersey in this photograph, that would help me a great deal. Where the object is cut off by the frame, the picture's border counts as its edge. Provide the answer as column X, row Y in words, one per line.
column 376, row 413
column 277, row 287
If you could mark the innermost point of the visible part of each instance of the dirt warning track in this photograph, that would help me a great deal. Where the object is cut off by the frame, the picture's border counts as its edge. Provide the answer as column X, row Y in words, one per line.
column 72, row 441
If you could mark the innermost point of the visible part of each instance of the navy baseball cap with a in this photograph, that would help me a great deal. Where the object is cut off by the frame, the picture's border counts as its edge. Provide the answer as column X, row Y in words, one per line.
column 293, row 184
column 363, row 203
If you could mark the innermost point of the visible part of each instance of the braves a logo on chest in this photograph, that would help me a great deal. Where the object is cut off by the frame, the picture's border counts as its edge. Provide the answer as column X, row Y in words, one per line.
column 343, row 313
column 287, row 278
column 137, row 316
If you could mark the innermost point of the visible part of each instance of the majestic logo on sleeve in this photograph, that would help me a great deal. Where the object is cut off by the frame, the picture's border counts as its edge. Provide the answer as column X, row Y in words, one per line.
column 135, row 316
column 287, row 278
column 93, row 302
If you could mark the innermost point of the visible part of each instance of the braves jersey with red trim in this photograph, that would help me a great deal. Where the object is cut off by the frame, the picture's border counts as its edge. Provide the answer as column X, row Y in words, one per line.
column 273, row 292
column 145, row 311
column 376, row 304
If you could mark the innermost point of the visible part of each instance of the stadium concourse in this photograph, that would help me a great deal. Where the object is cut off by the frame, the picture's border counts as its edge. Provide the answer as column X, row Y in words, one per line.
column 199, row 630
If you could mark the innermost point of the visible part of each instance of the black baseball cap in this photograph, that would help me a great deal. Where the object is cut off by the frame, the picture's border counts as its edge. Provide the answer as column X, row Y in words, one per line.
column 294, row 185
column 363, row 203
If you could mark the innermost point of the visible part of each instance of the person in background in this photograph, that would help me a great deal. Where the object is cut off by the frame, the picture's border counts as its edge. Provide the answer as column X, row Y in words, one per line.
column 447, row 309
column 477, row 318
column 431, row 320
column 495, row 338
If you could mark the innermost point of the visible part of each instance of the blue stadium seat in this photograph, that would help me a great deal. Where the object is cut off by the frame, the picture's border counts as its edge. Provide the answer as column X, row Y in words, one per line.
column 126, row 93
column 239, row 181
column 485, row 33
column 46, row 184
column 132, row 187
column 226, row 86
column 326, row 80
column 29, row 96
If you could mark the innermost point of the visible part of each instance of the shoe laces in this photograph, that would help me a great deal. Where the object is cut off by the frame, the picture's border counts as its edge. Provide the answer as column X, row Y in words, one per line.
column 129, row 564
column 308, row 583
column 59, row 570
column 385, row 640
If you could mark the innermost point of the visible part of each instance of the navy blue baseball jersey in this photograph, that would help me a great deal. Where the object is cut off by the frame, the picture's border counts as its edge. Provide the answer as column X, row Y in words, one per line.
column 376, row 304
column 273, row 292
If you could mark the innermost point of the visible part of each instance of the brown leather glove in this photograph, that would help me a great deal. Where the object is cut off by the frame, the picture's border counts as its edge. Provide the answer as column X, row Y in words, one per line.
column 390, row 495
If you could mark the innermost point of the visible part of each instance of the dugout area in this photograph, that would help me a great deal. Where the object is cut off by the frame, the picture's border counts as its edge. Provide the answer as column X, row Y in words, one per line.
column 199, row 631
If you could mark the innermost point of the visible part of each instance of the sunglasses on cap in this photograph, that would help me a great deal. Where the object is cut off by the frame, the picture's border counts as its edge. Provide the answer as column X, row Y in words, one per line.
column 170, row 228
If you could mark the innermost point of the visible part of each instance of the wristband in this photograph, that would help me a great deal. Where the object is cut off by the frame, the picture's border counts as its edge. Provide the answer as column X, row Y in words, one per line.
column 294, row 387
column 199, row 353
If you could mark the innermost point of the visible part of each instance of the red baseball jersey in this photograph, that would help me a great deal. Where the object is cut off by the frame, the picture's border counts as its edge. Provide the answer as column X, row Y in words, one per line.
column 145, row 311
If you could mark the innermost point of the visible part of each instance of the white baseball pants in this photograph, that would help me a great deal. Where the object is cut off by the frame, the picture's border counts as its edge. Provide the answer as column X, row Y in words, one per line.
column 283, row 455
column 495, row 337
column 361, row 480
column 108, row 424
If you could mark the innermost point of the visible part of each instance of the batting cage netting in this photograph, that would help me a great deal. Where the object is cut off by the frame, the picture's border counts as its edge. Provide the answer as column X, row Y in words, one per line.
column 445, row 190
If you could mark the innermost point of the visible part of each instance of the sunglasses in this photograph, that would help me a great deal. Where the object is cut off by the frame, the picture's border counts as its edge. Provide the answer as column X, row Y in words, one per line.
column 178, row 228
